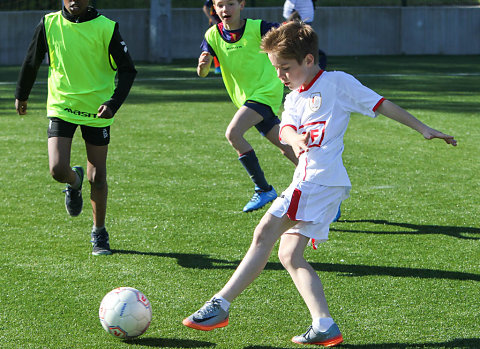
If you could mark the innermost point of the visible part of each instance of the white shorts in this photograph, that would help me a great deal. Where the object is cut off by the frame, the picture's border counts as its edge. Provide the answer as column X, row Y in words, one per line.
column 313, row 205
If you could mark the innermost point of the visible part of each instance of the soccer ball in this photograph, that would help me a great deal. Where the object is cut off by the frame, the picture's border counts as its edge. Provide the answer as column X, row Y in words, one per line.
column 125, row 312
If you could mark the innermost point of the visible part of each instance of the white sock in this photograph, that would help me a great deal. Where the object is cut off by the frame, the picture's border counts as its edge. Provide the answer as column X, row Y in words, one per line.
column 97, row 229
column 224, row 304
column 322, row 324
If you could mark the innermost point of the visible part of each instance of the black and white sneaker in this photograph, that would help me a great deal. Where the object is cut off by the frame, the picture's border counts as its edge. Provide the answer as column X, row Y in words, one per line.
column 100, row 243
column 73, row 197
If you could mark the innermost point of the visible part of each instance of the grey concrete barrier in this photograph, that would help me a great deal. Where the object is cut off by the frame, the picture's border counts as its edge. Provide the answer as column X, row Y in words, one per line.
column 342, row 30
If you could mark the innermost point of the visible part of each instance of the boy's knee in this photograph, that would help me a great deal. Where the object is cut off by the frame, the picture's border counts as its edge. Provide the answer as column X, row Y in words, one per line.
column 233, row 135
column 285, row 257
column 230, row 135
column 284, row 151
column 98, row 184
column 97, row 180
column 59, row 173
column 262, row 238
column 288, row 258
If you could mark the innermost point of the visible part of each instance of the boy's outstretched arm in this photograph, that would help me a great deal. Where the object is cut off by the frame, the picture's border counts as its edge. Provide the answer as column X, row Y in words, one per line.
column 204, row 63
column 393, row 111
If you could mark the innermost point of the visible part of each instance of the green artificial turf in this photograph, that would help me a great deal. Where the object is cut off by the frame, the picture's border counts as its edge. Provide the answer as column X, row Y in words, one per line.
column 401, row 268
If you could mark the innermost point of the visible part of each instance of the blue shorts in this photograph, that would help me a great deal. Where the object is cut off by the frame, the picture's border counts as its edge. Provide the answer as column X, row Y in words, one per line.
column 269, row 118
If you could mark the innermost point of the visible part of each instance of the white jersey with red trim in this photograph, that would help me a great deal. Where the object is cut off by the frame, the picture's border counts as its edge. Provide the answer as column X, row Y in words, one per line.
column 323, row 108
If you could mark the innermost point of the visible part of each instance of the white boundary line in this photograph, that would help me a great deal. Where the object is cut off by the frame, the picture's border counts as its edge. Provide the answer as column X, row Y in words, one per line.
column 218, row 78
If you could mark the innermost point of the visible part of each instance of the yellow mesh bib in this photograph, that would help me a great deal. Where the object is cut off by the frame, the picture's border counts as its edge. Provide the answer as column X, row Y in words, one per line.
column 247, row 72
column 81, row 75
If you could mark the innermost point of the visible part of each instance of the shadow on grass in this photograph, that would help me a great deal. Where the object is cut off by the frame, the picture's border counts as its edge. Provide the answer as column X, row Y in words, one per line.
column 200, row 261
column 414, row 229
column 467, row 343
column 170, row 343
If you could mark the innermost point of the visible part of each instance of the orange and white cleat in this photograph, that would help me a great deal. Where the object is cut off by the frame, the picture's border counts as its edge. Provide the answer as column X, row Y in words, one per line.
column 329, row 338
column 208, row 317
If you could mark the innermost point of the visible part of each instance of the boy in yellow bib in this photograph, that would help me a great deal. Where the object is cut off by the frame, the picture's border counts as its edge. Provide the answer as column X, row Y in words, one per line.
column 253, row 86
column 85, row 52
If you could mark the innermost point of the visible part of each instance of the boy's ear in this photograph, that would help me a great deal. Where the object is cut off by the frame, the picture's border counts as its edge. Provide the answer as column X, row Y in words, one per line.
column 309, row 59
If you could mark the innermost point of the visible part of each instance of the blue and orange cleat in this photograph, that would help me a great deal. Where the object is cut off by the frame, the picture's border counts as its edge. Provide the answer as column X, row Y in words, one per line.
column 329, row 338
column 208, row 317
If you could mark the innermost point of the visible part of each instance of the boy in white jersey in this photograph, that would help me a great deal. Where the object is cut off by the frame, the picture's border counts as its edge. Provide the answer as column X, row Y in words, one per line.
column 313, row 123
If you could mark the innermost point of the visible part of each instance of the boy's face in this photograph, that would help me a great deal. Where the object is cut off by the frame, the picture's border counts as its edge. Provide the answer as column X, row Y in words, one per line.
column 229, row 10
column 292, row 74
column 76, row 7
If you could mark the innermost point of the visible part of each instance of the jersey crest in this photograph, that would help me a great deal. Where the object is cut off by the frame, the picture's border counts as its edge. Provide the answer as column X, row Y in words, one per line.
column 315, row 101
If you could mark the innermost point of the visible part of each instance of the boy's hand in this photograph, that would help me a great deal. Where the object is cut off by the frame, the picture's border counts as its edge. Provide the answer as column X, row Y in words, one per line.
column 394, row 112
column 104, row 112
column 300, row 144
column 431, row 133
column 204, row 62
column 21, row 107
column 204, row 58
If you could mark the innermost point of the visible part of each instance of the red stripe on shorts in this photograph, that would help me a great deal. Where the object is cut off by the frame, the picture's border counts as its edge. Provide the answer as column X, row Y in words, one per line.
column 293, row 208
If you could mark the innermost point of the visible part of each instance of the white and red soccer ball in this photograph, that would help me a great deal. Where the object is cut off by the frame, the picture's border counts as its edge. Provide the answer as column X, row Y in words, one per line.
column 125, row 313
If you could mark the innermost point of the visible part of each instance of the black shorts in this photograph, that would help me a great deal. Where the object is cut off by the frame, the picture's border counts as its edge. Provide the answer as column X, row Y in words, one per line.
column 93, row 135
column 269, row 117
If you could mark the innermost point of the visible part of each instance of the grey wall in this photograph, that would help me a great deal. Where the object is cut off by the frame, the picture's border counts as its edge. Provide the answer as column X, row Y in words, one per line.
column 440, row 30
column 341, row 30
column 16, row 29
column 134, row 27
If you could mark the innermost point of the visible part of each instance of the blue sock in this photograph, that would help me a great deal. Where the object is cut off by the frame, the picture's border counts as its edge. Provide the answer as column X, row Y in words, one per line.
column 250, row 162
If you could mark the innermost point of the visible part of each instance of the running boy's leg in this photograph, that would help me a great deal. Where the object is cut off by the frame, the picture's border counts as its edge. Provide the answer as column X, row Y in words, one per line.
column 97, row 176
column 59, row 160
column 59, row 163
column 244, row 119
column 211, row 315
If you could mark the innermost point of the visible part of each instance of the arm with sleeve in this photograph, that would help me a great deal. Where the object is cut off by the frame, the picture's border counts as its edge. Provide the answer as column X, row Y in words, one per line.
column 125, row 69
column 356, row 97
column 33, row 59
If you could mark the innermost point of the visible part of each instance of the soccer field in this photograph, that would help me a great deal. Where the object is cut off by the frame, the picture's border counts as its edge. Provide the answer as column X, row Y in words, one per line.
column 401, row 268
